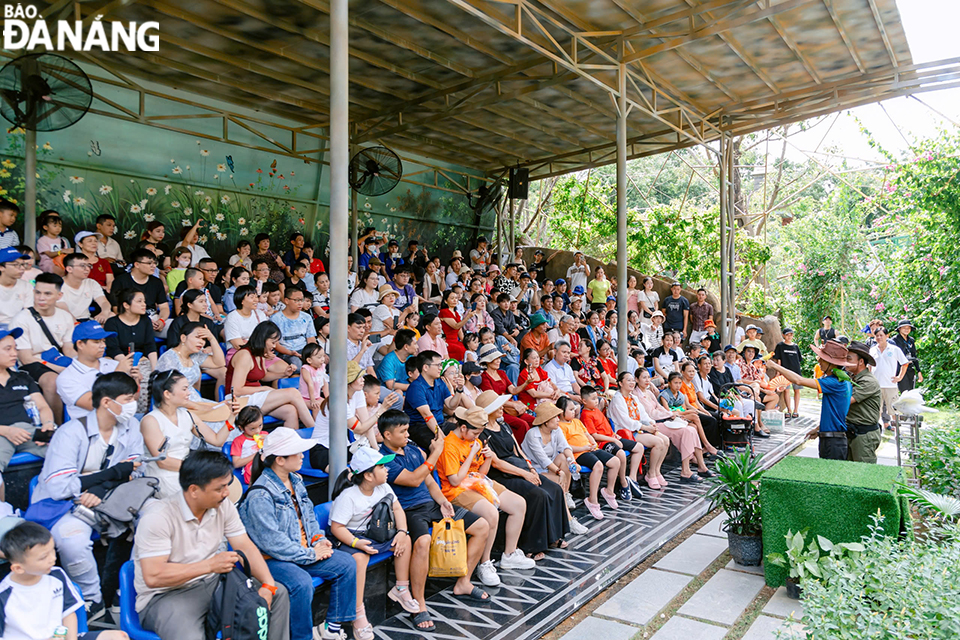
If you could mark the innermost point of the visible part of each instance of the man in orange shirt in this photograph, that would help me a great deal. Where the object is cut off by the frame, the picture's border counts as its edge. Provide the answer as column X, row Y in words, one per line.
column 536, row 337
column 599, row 427
column 465, row 454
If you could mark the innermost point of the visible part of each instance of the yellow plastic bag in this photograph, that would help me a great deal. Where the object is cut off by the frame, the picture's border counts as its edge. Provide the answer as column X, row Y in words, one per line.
column 448, row 549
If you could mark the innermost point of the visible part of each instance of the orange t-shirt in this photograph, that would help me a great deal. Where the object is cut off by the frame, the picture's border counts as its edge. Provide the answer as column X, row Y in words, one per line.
column 455, row 451
column 596, row 422
column 691, row 393
column 576, row 435
column 530, row 341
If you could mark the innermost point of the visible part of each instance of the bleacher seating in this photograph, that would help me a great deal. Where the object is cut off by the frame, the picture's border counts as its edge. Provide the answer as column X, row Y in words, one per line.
column 129, row 619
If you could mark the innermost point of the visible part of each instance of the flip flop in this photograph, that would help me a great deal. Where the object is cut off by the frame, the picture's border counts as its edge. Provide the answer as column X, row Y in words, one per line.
column 562, row 544
column 475, row 594
column 420, row 618
column 536, row 557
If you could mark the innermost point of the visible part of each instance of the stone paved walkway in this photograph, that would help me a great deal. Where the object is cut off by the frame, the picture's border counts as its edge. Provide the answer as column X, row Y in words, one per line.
column 695, row 592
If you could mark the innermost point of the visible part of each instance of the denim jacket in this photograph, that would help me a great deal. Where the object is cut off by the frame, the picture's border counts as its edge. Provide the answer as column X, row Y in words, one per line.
column 271, row 519
column 67, row 453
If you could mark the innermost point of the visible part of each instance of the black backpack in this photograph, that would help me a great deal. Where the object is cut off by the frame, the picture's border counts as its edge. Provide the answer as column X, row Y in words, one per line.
column 237, row 612
column 382, row 527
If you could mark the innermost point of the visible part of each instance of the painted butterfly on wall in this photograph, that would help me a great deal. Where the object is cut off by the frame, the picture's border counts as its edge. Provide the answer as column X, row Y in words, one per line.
column 273, row 165
column 95, row 147
column 230, row 163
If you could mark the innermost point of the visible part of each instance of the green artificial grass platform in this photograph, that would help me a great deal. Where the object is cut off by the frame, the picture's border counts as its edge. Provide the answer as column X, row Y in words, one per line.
column 830, row 498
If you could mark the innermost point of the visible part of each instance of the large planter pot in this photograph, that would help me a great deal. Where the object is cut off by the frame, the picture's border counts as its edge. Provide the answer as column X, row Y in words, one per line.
column 793, row 588
column 747, row 551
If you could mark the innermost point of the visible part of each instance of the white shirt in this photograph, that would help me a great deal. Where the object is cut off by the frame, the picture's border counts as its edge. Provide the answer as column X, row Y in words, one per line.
column 619, row 414
column 562, row 376
column 60, row 325
column 383, row 318
column 237, row 327
column 352, row 509
column 197, row 253
column 577, row 277
column 889, row 362
column 362, row 298
column 353, row 349
column 76, row 380
column 35, row 611
column 109, row 250
column 15, row 298
column 703, row 386
column 77, row 301
column 98, row 452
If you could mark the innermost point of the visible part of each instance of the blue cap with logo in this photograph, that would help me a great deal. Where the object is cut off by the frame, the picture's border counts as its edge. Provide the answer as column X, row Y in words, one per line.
column 6, row 330
column 90, row 330
column 9, row 254
column 578, row 290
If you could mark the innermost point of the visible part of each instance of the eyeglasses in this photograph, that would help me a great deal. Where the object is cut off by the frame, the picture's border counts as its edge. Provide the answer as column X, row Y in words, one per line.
column 151, row 263
column 210, row 270
column 82, row 265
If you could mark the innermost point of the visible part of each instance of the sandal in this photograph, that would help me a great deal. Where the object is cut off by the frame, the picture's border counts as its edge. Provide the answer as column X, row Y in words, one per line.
column 422, row 617
column 475, row 594
column 537, row 557
column 653, row 483
column 692, row 479
column 661, row 480
column 561, row 544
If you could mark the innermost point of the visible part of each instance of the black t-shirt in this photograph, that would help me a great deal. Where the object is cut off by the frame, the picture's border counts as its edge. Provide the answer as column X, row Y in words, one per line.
column 660, row 354
column 827, row 334
column 673, row 309
column 720, row 378
column 18, row 387
column 141, row 335
column 287, row 282
column 173, row 333
column 215, row 293
column 152, row 290
column 541, row 269
column 788, row 355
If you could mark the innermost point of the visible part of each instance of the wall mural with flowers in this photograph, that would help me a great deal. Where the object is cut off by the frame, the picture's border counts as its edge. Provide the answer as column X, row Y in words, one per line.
column 140, row 174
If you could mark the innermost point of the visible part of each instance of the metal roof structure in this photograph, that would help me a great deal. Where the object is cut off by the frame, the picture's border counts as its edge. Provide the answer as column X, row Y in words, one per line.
column 488, row 84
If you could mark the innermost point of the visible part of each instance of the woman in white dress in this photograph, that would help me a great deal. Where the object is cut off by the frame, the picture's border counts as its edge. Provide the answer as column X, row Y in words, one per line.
column 171, row 420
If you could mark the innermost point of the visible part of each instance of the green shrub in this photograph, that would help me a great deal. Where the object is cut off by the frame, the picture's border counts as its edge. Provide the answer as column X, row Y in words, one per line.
column 938, row 462
column 894, row 589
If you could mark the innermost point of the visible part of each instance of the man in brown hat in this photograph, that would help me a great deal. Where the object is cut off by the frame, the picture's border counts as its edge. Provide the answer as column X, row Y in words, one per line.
column 836, row 389
column 863, row 418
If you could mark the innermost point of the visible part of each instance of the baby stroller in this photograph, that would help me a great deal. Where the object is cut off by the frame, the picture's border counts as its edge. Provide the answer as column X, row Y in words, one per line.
column 736, row 431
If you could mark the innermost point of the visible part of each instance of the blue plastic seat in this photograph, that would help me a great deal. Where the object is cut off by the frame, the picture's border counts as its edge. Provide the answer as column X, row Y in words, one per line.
column 23, row 458
column 238, row 473
column 322, row 512
column 129, row 618
column 307, row 469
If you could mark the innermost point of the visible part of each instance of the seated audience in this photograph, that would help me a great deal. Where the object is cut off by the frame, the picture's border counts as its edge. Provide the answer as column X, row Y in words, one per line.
column 45, row 348
column 87, row 458
column 536, row 338
column 463, row 468
column 239, row 277
column 16, row 388
column 358, row 345
column 178, row 557
column 296, row 329
column 279, row 518
column 241, row 322
column 248, row 368
column 409, row 474
column 37, row 596
column 80, row 291
column 74, row 384
column 171, row 424
column 427, row 399
column 359, row 488
column 193, row 310
column 14, row 290
column 141, row 278
column 391, row 370
column 196, row 353
column 561, row 373
column 100, row 270
column 452, row 323
column 596, row 424
column 248, row 443
column 51, row 245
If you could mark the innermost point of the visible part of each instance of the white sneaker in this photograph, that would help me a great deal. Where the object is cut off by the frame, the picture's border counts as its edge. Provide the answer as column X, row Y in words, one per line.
column 576, row 528
column 488, row 574
column 571, row 504
column 320, row 633
column 516, row 560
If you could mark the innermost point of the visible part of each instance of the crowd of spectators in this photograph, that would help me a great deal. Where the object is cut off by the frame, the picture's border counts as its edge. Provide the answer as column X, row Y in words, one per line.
column 476, row 391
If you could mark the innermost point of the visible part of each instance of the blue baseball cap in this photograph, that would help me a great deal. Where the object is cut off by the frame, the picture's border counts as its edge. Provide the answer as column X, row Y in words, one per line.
column 578, row 291
column 90, row 330
column 729, row 347
column 6, row 330
column 609, row 298
column 9, row 254
column 559, row 281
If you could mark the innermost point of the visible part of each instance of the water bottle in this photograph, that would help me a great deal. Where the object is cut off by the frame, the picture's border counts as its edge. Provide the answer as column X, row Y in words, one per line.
column 574, row 469
column 33, row 411
column 60, row 632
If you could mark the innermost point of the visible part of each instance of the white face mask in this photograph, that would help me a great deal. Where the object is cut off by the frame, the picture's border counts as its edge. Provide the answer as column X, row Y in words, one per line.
column 184, row 262
column 127, row 411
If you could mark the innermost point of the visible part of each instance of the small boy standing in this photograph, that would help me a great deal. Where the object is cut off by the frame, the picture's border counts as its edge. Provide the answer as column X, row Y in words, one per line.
column 36, row 596
column 787, row 355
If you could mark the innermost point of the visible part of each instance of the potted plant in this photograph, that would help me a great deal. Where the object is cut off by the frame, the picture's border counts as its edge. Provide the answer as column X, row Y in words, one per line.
column 805, row 560
column 735, row 488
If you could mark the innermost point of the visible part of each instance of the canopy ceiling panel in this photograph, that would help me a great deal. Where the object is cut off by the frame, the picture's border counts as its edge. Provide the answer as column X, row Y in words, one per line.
column 495, row 83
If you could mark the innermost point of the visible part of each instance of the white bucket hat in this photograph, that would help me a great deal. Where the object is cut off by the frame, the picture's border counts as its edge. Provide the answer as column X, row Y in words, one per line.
column 283, row 441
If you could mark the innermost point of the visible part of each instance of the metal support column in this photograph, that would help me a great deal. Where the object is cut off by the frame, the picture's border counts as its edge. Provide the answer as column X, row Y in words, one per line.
column 512, row 244
column 726, row 330
column 30, row 189
column 339, row 208
column 623, row 344
column 731, row 237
